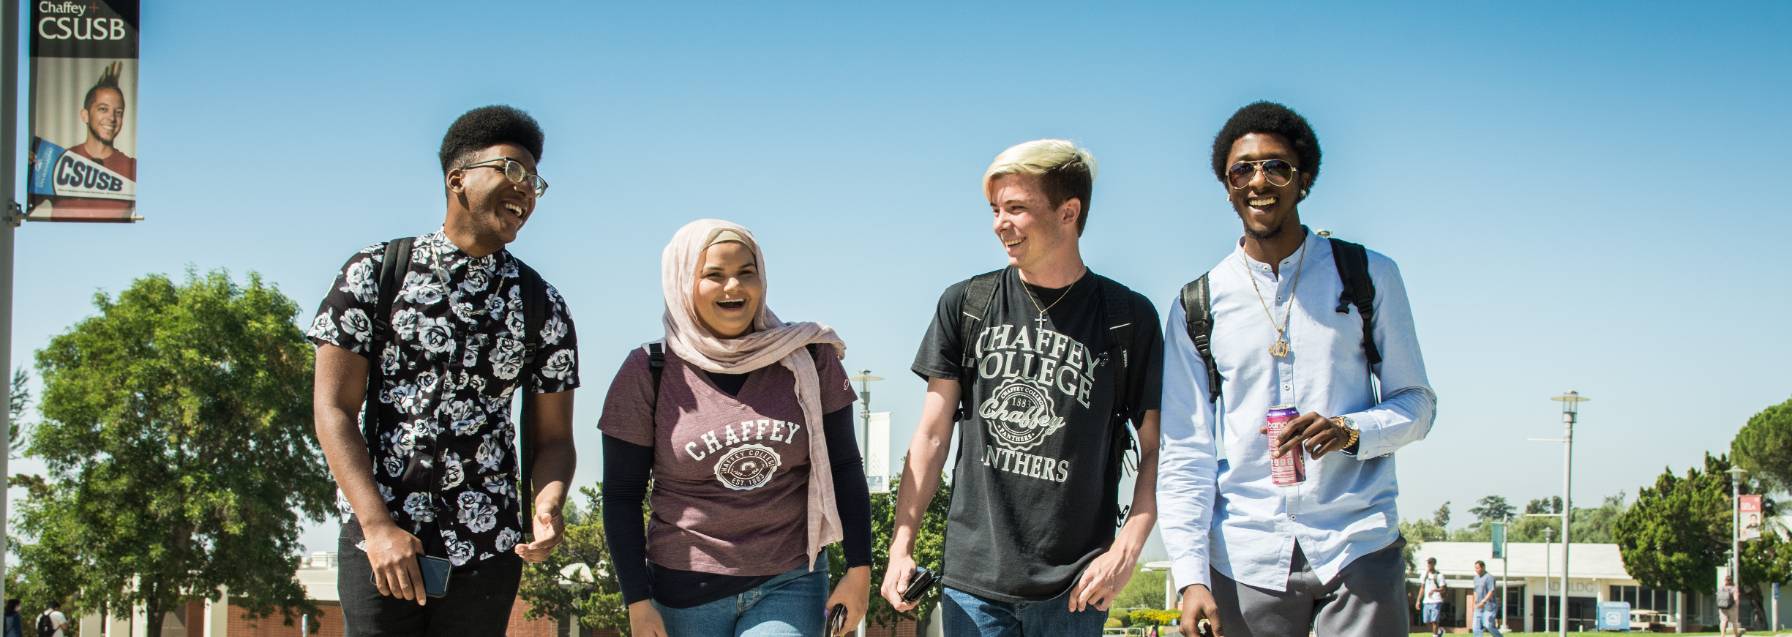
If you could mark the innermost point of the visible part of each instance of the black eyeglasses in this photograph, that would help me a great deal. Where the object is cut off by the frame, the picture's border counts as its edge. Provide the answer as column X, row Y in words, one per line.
column 515, row 172
column 1277, row 172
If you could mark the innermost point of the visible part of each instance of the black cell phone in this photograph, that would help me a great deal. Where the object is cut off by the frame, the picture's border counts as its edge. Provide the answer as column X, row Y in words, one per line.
column 836, row 619
column 435, row 574
column 918, row 583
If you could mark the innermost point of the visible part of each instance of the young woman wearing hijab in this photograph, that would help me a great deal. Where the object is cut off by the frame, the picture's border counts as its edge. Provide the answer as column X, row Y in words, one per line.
column 748, row 439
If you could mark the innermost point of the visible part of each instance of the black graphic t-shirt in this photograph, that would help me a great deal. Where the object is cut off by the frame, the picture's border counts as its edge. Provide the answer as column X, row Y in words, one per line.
column 455, row 358
column 1035, row 488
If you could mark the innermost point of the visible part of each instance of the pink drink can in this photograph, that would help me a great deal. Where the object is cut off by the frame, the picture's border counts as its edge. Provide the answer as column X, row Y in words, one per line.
column 1288, row 469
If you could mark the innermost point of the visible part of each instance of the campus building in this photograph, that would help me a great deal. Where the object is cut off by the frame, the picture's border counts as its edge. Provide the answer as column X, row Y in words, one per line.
column 1596, row 574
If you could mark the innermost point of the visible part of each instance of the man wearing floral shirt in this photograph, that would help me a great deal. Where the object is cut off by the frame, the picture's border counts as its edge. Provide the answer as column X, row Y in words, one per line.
column 435, row 474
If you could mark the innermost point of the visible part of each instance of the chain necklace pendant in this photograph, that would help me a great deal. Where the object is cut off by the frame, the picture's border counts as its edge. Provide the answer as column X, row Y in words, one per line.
column 1279, row 349
column 1042, row 320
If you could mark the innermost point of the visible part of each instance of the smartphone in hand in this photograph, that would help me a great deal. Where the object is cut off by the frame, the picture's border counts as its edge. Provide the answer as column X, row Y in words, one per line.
column 435, row 574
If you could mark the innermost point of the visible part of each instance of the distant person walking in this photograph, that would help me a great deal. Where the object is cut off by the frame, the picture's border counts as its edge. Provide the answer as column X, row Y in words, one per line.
column 1431, row 595
column 1729, row 607
column 15, row 624
column 52, row 623
column 1484, row 615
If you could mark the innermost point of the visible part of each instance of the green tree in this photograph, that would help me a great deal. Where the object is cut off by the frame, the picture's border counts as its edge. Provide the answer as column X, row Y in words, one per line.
column 17, row 400
column 1146, row 590
column 1418, row 532
column 929, row 551
column 1764, row 446
column 1442, row 516
column 1551, row 504
column 1678, row 532
column 577, row 578
column 1594, row 525
column 1491, row 509
column 176, row 429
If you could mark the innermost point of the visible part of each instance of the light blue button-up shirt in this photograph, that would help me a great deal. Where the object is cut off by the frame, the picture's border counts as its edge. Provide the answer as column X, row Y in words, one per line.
column 1216, row 503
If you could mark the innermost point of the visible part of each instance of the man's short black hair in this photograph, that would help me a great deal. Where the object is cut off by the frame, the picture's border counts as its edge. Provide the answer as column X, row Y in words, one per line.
column 1268, row 117
column 1480, row 564
column 487, row 126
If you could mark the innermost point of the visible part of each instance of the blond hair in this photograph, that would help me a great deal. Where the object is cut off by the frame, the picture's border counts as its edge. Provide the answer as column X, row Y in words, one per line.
column 1065, row 171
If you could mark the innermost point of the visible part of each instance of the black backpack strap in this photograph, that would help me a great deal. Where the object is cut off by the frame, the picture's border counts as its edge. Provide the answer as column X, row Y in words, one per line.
column 979, row 295
column 1359, row 290
column 535, row 314
column 1197, row 314
column 1117, row 308
column 393, row 264
column 656, row 364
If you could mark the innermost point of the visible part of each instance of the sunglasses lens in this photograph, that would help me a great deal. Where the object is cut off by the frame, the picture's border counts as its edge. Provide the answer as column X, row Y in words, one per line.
column 1278, row 172
column 1239, row 174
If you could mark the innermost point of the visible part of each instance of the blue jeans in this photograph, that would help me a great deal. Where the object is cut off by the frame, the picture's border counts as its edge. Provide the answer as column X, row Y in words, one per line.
column 967, row 615
column 1488, row 618
column 789, row 605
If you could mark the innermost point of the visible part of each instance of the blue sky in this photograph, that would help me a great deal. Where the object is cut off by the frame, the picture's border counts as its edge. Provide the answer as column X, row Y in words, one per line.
column 1580, row 195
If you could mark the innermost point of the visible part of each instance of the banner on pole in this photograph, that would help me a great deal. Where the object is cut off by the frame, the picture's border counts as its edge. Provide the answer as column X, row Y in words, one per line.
column 82, row 157
column 877, row 452
column 1749, row 506
column 1499, row 540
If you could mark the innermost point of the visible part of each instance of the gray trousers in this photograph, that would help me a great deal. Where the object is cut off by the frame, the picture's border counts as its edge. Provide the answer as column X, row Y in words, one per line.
column 1368, row 599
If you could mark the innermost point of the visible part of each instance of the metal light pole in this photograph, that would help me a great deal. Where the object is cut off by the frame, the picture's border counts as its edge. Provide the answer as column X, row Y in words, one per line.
column 1505, row 565
column 865, row 378
column 1570, row 409
column 1736, row 474
column 1548, row 534
column 9, row 219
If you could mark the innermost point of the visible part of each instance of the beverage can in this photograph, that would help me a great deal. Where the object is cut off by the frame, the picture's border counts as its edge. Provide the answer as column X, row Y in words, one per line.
column 1290, row 468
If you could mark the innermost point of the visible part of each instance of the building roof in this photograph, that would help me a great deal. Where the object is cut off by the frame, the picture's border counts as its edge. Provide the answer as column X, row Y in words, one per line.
column 1586, row 561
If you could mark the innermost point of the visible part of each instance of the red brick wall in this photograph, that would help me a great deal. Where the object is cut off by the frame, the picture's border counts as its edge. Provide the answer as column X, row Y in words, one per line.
column 904, row 628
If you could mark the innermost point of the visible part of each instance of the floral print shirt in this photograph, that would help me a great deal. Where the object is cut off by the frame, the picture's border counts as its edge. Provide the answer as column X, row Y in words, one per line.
column 455, row 357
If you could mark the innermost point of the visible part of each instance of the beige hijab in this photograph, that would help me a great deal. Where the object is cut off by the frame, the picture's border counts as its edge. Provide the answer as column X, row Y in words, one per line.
column 771, row 341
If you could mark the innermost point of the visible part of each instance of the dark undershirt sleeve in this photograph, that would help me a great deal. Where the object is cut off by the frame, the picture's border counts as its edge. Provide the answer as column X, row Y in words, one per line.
column 852, row 498
column 627, row 467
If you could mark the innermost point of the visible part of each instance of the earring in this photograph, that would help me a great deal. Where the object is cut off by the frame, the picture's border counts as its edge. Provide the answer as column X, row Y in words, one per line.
column 1304, row 191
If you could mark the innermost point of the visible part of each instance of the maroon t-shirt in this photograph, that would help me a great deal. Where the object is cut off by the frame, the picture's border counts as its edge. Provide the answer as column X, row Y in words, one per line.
column 730, row 473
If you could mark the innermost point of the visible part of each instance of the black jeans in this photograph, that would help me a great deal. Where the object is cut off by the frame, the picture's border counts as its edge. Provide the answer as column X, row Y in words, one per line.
column 480, row 595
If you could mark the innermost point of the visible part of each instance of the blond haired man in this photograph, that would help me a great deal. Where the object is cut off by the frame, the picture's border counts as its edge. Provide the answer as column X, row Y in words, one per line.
column 1042, row 364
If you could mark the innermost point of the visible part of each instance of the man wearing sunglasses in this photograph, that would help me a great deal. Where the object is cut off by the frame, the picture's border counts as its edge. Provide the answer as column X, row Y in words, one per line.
column 1293, row 320
column 426, row 339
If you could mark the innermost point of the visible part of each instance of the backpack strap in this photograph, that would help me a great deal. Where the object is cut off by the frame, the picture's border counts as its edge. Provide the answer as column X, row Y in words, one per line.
column 535, row 314
column 1197, row 314
column 656, row 365
column 1359, row 290
column 393, row 264
column 1117, row 308
column 979, row 295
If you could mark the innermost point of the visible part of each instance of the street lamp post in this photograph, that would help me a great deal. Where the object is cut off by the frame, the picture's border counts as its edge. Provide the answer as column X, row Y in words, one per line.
column 1736, row 474
column 1548, row 534
column 1570, row 410
column 865, row 378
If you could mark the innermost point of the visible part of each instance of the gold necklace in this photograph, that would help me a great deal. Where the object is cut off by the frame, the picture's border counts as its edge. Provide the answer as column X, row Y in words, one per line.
column 1280, row 348
column 1042, row 310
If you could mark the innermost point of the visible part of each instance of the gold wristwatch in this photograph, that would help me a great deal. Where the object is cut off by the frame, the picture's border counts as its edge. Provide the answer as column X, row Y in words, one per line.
column 1355, row 434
